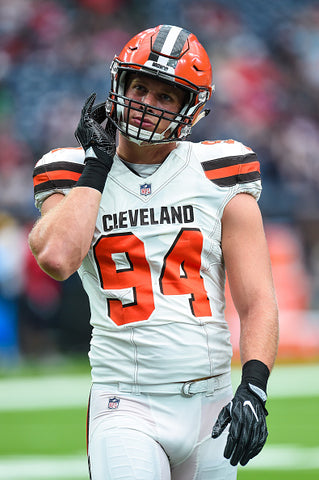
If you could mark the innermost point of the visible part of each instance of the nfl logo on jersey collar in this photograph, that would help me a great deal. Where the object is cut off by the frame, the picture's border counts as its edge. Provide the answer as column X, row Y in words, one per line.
column 146, row 189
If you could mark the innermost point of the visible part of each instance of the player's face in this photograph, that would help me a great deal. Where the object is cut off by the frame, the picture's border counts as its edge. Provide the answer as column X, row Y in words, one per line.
column 156, row 94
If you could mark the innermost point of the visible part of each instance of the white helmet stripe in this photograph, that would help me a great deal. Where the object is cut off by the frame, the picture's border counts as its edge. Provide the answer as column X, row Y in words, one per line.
column 169, row 43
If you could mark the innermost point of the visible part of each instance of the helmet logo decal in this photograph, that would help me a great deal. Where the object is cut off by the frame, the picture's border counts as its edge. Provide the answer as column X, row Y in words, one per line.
column 158, row 65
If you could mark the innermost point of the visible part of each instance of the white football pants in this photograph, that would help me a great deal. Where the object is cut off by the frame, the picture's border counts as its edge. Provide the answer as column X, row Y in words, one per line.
column 156, row 437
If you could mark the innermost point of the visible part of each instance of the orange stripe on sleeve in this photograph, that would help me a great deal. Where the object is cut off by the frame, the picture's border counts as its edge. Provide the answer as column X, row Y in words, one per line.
column 57, row 175
column 66, row 148
column 233, row 170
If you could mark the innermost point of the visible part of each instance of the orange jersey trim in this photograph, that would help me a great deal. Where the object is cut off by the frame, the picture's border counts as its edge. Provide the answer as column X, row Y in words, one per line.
column 57, row 175
column 65, row 148
column 233, row 170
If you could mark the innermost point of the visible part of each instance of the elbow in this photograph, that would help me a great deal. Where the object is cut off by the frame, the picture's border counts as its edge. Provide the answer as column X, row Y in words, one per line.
column 55, row 267
column 55, row 261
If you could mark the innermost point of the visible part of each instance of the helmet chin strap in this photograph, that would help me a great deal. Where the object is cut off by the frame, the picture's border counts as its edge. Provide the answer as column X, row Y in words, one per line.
column 141, row 136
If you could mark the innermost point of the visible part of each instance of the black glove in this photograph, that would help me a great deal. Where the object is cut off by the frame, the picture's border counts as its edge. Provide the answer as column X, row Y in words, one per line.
column 90, row 133
column 246, row 414
column 97, row 142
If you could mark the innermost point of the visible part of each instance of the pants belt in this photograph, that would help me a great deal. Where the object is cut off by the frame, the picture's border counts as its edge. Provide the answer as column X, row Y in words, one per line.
column 187, row 389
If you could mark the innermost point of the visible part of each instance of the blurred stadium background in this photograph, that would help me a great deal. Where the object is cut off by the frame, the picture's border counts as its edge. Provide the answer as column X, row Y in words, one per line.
column 53, row 54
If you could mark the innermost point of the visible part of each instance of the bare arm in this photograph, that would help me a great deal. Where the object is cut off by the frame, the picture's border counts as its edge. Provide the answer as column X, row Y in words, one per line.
column 61, row 238
column 249, row 273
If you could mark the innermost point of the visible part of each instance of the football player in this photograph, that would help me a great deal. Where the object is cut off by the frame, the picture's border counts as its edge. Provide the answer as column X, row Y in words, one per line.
column 152, row 222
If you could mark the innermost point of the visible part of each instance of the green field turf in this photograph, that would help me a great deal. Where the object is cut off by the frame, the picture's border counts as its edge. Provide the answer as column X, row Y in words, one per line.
column 46, row 432
column 294, row 420
column 276, row 475
column 60, row 433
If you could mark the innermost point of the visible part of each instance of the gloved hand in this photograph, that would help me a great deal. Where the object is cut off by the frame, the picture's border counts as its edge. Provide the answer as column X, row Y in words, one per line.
column 95, row 140
column 98, row 144
column 246, row 414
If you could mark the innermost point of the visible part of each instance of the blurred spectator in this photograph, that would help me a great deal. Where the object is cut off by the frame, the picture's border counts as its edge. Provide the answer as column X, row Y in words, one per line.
column 39, row 307
column 106, row 7
column 11, row 281
column 15, row 175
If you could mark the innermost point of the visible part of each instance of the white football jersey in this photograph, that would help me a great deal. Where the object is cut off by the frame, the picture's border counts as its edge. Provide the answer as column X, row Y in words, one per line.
column 155, row 274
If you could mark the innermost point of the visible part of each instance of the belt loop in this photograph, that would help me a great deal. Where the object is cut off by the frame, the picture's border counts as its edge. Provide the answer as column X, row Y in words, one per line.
column 129, row 388
column 211, row 386
column 136, row 389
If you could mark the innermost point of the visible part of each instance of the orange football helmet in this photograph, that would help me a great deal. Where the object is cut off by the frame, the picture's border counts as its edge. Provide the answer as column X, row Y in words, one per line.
column 167, row 53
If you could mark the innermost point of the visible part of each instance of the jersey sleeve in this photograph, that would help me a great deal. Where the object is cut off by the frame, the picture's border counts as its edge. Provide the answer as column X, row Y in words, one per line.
column 57, row 172
column 231, row 165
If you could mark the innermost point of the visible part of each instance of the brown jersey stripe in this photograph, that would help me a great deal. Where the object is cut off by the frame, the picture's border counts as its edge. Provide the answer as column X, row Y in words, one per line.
column 231, row 170
column 54, row 166
column 234, row 180
column 228, row 161
column 55, row 175
column 54, row 185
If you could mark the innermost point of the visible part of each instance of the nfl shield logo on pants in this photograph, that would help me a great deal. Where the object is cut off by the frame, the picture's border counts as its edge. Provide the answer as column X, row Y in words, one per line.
column 113, row 403
column 145, row 189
